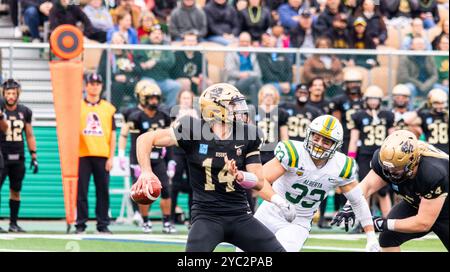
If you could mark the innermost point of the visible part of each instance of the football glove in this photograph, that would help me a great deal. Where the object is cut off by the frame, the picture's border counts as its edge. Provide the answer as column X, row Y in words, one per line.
column 346, row 215
column 372, row 245
column 34, row 166
column 287, row 208
column 379, row 224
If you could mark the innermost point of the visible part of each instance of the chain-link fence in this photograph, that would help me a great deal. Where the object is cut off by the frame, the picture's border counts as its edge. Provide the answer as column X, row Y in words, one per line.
column 175, row 68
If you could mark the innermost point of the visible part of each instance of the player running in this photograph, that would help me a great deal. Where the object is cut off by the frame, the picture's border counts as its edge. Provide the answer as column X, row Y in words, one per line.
column 18, row 117
column 216, row 146
column 418, row 172
column 303, row 173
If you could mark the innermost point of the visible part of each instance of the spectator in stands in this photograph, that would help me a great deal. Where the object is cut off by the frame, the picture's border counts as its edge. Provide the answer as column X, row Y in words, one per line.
column 325, row 20
column 13, row 12
column 156, row 65
column 417, row 30
column 376, row 28
column 188, row 67
column 124, row 27
column 129, row 7
column 312, row 6
column 274, row 4
column 163, row 8
column 362, row 40
column 327, row 67
column 124, row 74
column 97, row 147
column 352, row 5
column 243, row 71
column 442, row 64
column 339, row 32
column 276, row 69
column 419, row 73
column 187, row 18
column 428, row 12
column 99, row 15
column 444, row 32
column 401, row 9
column 148, row 20
column 282, row 40
column 303, row 36
column 223, row 23
column 289, row 14
column 35, row 13
column 65, row 13
column 255, row 19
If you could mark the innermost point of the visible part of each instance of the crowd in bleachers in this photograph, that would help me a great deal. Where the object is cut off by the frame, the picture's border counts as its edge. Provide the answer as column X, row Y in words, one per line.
column 353, row 24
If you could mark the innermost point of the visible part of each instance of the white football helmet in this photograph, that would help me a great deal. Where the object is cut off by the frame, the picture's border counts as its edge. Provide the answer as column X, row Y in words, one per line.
column 329, row 127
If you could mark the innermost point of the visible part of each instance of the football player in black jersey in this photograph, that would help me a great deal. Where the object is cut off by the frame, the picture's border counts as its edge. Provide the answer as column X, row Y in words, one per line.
column 434, row 122
column 371, row 126
column 152, row 118
column 271, row 120
column 317, row 98
column 219, row 146
column 404, row 119
column 300, row 114
column 123, row 140
column 18, row 117
column 342, row 107
column 418, row 172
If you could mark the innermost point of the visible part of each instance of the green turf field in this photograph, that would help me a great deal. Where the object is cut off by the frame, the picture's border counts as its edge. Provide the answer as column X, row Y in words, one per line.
column 50, row 236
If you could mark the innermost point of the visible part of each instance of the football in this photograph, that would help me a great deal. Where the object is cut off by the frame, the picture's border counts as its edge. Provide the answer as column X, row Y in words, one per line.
column 144, row 197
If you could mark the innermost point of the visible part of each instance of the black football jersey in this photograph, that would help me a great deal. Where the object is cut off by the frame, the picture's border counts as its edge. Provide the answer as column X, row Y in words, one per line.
column 133, row 134
column 299, row 120
column 270, row 123
column 323, row 105
column 139, row 123
column 12, row 141
column 372, row 132
column 347, row 107
column 214, row 189
column 431, row 181
column 399, row 120
column 435, row 129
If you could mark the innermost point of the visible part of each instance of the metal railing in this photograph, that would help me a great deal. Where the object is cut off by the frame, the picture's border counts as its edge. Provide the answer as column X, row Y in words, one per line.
column 296, row 52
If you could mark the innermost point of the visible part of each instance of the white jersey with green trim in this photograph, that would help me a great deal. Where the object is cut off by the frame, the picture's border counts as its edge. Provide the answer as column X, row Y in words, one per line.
column 303, row 183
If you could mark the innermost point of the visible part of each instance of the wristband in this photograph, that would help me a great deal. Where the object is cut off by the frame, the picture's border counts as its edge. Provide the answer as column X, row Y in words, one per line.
column 121, row 153
column 391, row 224
column 32, row 152
column 352, row 154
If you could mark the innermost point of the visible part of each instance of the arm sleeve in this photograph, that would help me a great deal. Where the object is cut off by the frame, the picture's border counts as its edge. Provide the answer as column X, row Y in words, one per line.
column 359, row 206
column 183, row 130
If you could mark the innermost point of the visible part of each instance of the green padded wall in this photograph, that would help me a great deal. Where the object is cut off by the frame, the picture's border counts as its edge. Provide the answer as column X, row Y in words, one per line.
column 42, row 195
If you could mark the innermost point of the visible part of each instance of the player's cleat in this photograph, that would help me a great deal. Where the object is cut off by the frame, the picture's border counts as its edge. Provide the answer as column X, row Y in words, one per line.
column 323, row 225
column 137, row 219
column 147, row 227
column 80, row 231
column 15, row 228
column 169, row 228
column 2, row 230
column 103, row 230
